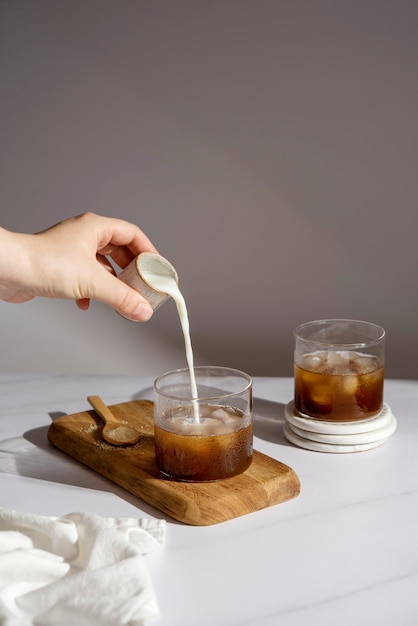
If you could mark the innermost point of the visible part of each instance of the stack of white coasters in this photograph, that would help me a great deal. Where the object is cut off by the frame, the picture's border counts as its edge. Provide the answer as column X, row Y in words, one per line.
column 338, row 437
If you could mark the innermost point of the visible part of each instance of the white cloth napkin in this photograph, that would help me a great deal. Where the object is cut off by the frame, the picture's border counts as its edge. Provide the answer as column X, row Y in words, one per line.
column 77, row 569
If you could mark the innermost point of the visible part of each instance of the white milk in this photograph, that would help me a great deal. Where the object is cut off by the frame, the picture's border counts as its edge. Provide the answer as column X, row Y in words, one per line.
column 167, row 284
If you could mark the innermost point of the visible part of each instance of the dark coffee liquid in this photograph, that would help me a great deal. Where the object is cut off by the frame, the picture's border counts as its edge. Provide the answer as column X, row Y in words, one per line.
column 338, row 386
column 216, row 448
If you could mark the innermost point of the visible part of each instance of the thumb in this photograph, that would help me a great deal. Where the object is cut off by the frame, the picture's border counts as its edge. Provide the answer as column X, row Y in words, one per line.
column 123, row 299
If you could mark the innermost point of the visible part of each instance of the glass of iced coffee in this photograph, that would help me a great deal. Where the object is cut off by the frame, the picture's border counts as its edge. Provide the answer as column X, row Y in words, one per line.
column 208, row 436
column 339, row 370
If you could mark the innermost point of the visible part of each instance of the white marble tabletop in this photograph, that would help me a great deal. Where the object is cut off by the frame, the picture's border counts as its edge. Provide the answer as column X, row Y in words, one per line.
column 344, row 552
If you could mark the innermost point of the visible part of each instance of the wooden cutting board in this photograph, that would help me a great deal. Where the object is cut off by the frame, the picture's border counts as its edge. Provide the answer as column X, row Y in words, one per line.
column 265, row 483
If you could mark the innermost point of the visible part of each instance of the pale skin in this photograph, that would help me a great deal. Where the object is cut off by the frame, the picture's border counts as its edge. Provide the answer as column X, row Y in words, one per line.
column 71, row 260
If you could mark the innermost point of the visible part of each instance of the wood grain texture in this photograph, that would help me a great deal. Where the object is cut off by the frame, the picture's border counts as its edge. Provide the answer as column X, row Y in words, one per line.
column 265, row 483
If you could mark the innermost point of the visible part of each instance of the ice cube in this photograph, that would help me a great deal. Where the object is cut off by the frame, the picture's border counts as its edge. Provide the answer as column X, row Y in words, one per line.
column 321, row 396
column 350, row 384
column 201, row 429
column 338, row 357
column 179, row 423
column 338, row 362
column 220, row 414
column 315, row 361
column 364, row 363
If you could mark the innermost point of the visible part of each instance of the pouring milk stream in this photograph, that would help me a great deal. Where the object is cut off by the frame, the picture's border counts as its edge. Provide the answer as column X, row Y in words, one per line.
column 156, row 275
column 219, row 442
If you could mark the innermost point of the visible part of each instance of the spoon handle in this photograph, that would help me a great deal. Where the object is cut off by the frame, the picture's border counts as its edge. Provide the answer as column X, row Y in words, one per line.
column 100, row 408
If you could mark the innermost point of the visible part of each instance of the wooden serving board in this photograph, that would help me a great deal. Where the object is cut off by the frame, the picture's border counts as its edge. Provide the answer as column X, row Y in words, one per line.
column 265, row 483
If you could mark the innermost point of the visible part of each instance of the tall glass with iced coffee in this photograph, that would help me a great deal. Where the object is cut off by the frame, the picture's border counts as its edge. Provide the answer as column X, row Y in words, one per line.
column 339, row 370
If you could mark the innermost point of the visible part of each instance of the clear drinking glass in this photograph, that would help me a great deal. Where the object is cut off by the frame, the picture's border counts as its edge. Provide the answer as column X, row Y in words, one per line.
column 339, row 369
column 205, row 438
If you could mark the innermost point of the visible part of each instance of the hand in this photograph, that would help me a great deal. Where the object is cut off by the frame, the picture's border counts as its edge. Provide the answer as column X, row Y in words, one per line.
column 72, row 260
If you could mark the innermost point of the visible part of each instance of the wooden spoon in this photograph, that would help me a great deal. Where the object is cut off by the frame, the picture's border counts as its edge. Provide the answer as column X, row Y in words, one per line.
column 113, row 431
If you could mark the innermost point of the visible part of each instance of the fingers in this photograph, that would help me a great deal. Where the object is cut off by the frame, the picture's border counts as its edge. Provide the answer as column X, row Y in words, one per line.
column 105, row 263
column 121, row 255
column 74, row 258
column 83, row 303
column 122, row 299
column 120, row 239
column 113, row 237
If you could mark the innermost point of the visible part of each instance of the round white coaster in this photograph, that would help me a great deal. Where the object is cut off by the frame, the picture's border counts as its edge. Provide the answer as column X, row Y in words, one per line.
column 338, row 428
column 325, row 447
column 348, row 439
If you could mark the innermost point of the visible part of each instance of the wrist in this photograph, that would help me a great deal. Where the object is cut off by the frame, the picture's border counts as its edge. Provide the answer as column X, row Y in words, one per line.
column 15, row 265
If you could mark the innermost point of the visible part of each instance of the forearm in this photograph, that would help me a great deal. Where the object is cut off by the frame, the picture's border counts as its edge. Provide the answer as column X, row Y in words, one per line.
column 16, row 250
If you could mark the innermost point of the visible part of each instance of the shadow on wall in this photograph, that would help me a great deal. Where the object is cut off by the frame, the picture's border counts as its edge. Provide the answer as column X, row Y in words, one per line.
column 275, row 168
column 253, row 353
column 53, row 336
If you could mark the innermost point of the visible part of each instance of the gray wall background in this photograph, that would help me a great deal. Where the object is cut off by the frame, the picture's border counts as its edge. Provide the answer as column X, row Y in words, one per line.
column 267, row 147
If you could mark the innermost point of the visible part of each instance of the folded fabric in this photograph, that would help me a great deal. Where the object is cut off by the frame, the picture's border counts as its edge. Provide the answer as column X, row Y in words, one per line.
column 77, row 569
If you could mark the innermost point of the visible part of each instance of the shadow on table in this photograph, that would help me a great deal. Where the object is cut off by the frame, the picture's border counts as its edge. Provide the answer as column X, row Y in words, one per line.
column 33, row 456
column 269, row 419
